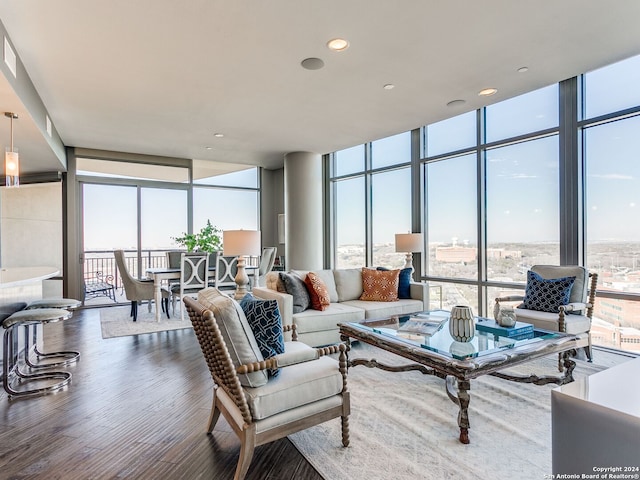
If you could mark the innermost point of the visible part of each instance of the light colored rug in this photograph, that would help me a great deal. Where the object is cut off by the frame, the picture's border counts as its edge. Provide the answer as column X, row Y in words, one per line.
column 116, row 322
column 404, row 426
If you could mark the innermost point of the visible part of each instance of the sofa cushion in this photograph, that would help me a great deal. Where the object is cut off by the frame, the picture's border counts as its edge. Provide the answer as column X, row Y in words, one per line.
column 297, row 289
column 348, row 283
column 379, row 285
column 264, row 319
column 317, row 292
column 272, row 281
column 546, row 295
column 237, row 334
column 387, row 309
column 297, row 385
column 404, row 282
column 314, row 321
column 327, row 277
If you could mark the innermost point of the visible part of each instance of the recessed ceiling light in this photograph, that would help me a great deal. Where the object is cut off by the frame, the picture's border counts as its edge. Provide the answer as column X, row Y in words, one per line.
column 208, row 148
column 389, row 86
column 456, row 103
column 312, row 63
column 338, row 44
column 523, row 69
column 218, row 135
column 487, row 92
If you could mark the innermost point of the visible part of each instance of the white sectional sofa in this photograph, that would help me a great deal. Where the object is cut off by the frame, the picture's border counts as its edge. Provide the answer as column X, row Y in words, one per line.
column 317, row 328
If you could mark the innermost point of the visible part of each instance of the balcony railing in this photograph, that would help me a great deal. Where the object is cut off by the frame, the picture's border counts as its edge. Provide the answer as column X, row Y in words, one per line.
column 100, row 265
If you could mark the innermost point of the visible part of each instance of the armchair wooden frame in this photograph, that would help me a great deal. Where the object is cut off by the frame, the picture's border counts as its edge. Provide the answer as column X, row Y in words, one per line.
column 571, row 307
column 229, row 397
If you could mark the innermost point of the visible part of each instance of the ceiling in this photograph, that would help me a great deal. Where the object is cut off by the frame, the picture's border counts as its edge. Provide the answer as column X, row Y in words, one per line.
column 162, row 77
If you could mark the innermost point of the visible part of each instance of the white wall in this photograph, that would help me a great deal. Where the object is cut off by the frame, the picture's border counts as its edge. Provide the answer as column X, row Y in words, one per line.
column 31, row 229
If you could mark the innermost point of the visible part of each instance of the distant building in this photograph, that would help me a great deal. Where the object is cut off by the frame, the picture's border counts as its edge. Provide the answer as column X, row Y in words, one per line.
column 456, row 254
column 498, row 253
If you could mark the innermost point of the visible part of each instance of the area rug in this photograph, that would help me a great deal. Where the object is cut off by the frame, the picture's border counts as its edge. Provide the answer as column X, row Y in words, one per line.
column 404, row 426
column 116, row 322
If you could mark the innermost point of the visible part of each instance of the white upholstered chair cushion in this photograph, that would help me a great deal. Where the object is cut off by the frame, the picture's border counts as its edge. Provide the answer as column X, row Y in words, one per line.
column 296, row 385
column 574, row 324
column 236, row 332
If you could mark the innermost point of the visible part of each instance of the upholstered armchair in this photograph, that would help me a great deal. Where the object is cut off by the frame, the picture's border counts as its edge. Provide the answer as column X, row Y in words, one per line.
column 310, row 387
column 558, row 298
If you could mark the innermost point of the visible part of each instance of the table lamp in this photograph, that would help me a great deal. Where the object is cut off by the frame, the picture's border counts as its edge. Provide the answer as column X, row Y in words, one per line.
column 241, row 243
column 409, row 243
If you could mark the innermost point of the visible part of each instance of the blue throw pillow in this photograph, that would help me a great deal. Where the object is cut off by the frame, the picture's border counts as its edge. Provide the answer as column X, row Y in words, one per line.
column 546, row 295
column 404, row 281
column 266, row 323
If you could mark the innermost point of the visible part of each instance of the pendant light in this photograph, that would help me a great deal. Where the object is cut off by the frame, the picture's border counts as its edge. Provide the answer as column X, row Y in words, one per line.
column 11, row 159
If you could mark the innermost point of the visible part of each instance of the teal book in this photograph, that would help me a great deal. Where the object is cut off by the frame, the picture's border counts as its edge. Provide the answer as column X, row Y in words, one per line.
column 491, row 326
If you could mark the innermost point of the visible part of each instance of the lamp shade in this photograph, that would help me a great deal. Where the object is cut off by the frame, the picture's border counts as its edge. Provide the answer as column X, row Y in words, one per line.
column 241, row 242
column 408, row 242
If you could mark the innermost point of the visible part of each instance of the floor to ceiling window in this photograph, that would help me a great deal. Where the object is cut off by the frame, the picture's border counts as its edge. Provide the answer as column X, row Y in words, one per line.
column 142, row 207
column 371, row 189
column 610, row 145
column 495, row 201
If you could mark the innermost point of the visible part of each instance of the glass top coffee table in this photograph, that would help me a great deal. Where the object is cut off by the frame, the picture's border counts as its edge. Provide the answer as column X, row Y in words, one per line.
column 434, row 351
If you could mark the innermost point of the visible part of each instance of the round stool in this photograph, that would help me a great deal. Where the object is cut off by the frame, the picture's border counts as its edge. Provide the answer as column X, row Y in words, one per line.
column 65, row 303
column 69, row 356
column 11, row 352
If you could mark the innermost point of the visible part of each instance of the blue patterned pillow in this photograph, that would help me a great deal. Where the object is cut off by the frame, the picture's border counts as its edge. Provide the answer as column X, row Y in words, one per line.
column 546, row 295
column 266, row 323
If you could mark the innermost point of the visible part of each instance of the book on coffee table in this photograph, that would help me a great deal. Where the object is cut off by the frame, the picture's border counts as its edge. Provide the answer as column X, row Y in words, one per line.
column 426, row 323
column 491, row 326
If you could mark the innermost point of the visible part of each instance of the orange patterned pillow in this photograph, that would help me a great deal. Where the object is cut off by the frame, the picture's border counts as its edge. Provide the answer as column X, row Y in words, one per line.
column 379, row 285
column 317, row 291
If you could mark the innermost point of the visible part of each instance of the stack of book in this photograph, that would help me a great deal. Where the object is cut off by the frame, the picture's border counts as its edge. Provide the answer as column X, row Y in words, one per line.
column 520, row 331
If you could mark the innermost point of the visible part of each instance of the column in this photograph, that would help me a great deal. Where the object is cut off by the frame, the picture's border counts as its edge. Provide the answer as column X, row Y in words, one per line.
column 303, row 210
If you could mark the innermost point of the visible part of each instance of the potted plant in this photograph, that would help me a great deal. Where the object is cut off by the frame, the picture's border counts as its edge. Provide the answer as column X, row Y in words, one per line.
column 208, row 239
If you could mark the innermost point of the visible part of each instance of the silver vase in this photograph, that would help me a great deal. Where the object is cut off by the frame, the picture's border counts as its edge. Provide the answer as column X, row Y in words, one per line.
column 461, row 325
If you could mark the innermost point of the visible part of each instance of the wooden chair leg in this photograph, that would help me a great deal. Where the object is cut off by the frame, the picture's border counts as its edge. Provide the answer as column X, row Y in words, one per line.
column 214, row 415
column 134, row 310
column 247, row 446
column 345, row 430
column 588, row 350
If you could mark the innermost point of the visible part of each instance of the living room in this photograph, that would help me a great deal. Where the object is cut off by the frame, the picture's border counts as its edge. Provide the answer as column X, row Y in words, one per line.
column 538, row 172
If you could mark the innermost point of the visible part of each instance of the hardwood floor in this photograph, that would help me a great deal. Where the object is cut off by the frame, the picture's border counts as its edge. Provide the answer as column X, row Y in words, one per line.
column 137, row 407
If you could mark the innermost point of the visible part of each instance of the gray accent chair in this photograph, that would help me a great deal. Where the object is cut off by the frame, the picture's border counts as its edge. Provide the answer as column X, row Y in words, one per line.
column 137, row 290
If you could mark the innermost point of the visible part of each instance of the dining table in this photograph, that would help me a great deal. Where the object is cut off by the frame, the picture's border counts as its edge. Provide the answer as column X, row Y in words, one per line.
column 161, row 275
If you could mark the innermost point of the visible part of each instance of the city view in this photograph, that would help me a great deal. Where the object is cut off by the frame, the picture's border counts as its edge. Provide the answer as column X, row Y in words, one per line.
column 616, row 323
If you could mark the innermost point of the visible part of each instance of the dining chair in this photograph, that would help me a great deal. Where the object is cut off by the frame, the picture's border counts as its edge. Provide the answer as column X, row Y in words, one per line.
column 194, row 276
column 226, row 270
column 267, row 260
column 137, row 290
